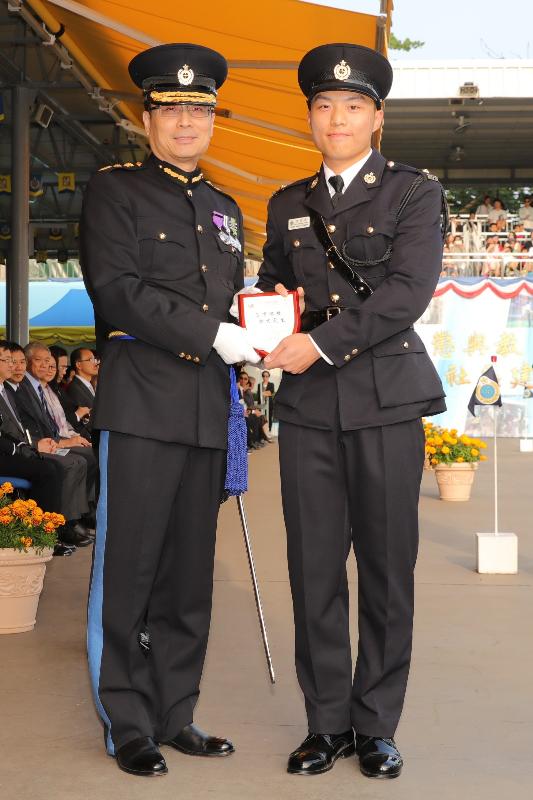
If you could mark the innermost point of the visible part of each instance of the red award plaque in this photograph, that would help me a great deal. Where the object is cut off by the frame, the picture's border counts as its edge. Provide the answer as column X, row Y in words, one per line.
column 269, row 317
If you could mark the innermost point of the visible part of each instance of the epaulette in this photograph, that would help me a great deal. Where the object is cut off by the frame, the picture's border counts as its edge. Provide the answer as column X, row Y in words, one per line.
column 127, row 165
column 216, row 188
column 311, row 181
column 397, row 166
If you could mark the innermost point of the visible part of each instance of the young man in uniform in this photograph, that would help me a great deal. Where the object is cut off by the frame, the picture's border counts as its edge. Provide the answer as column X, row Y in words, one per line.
column 361, row 241
column 162, row 256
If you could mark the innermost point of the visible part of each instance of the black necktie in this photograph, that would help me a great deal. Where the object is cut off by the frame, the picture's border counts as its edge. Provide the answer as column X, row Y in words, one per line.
column 46, row 412
column 338, row 184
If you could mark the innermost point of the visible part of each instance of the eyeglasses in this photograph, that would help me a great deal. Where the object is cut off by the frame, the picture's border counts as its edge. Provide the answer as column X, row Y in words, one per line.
column 198, row 112
column 7, row 360
column 92, row 358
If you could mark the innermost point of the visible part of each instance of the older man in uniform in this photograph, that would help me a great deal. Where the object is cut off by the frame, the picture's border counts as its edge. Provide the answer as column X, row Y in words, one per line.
column 363, row 239
column 162, row 255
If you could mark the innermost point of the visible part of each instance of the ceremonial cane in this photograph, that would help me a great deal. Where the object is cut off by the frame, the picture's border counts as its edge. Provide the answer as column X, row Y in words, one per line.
column 242, row 514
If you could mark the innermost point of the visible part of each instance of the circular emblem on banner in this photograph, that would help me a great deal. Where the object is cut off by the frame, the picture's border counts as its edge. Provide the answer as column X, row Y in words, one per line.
column 342, row 71
column 185, row 75
column 487, row 391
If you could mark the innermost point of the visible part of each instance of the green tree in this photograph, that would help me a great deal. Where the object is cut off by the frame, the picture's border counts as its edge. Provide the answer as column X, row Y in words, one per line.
column 463, row 199
column 403, row 44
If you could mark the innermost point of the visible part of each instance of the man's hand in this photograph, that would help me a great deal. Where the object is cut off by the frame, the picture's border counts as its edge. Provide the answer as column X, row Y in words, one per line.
column 295, row 354
column 82, row 411
column 279, row 288
column 74, row 441
column 233, row 345
column 46, row 446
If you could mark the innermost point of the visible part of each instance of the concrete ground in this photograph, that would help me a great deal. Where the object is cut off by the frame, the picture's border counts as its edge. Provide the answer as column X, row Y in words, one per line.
column 467, row 729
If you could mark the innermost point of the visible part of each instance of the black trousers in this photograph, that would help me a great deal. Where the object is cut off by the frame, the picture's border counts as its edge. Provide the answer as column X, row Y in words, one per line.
column 45, row 477
column 153, row 566
column 340, row 490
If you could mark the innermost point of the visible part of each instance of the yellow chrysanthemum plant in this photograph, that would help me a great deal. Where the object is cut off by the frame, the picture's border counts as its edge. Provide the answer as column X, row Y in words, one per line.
column 23, row 524
column 447, row 446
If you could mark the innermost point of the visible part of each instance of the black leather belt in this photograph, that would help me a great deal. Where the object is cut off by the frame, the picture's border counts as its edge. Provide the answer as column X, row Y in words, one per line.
column 312, row 319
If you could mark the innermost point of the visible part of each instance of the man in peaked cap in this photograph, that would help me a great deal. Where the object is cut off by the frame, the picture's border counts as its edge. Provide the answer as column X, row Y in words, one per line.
column 362, row 241
column 162, row 256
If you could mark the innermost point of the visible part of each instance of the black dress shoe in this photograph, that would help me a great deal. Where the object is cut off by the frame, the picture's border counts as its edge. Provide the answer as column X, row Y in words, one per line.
column 194, row 742
column 62, row 549
column 141, row 757
column 378, row 757
column 75, row 533
column 319, row 751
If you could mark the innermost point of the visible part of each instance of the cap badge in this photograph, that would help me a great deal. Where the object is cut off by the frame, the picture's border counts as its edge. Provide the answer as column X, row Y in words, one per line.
column 369, row 177
column 342, row 71
column 185, row 75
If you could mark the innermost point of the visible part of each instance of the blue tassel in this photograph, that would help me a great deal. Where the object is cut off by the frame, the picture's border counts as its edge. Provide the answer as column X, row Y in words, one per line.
column 237, row 460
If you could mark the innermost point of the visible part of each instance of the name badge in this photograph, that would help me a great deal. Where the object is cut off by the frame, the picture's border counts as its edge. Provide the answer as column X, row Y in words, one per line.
column 299, row 222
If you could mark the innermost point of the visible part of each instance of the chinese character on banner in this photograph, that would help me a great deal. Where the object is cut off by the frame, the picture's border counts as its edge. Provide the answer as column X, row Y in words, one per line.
column 443, row 344
column 5, row 184
column 66, row 182
column 506, row 344
column 476, row 344
column 456, row 376
column 522, row 375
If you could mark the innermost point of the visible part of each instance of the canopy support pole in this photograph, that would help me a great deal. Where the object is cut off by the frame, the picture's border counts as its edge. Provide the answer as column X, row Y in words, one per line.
column 17, row 283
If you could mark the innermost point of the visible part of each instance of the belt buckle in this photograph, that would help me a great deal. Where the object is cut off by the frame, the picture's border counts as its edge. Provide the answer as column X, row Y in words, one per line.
column 332, row 311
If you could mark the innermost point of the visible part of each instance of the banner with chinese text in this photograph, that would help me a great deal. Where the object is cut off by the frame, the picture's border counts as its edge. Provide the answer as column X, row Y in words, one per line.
column 467, row 322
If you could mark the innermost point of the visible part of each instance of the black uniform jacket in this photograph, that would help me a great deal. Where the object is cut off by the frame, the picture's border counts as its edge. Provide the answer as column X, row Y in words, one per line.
column 382, row 372
column 156, row 268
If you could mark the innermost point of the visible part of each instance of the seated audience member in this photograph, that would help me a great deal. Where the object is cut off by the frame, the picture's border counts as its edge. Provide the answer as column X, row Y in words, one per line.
column 265, row 394
column 18, row 364
column 525, row 213
column 254, row 425
column 485, row 207
column 497, row 211
column 58, row 483
column 38, row 419
column 493, row 262
column 78, row 417
column 65, row 431
column 80, row 389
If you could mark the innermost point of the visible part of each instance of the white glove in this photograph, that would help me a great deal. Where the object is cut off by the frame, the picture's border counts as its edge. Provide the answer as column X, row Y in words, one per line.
column 234, row 310
column 232, row 343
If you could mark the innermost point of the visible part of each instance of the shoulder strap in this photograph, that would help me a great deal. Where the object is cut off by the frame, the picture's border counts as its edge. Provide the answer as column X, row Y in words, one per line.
column 358, row 284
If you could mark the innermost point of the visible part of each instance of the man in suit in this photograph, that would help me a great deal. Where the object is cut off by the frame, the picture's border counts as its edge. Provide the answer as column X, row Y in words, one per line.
column 37, row 417
column 80, row 389
column 58, row 483
column 162, row 256
column 361, row 241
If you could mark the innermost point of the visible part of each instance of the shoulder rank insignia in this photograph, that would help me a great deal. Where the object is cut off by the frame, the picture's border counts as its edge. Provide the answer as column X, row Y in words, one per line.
column 127, row 165
column 313, row 179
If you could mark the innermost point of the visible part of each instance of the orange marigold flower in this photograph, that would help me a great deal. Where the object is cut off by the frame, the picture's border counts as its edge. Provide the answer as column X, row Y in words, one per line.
column 459, row 459
column 474, row 451
column 434, row 461
column 7, row 488
column 49, row 527
column 31, row 504
column 483, row 458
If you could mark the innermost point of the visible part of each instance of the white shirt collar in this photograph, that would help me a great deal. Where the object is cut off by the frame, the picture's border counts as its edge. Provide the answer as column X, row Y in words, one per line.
column 34, row 382
column 347, row 175
column 86, row 383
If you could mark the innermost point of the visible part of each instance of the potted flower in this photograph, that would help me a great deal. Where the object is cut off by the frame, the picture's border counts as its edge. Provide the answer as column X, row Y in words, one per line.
column 27, row 539
column 454, row 458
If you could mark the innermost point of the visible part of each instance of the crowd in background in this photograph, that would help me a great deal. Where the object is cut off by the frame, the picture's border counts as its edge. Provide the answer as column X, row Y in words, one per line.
column 46, row 433
column 490, row 242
